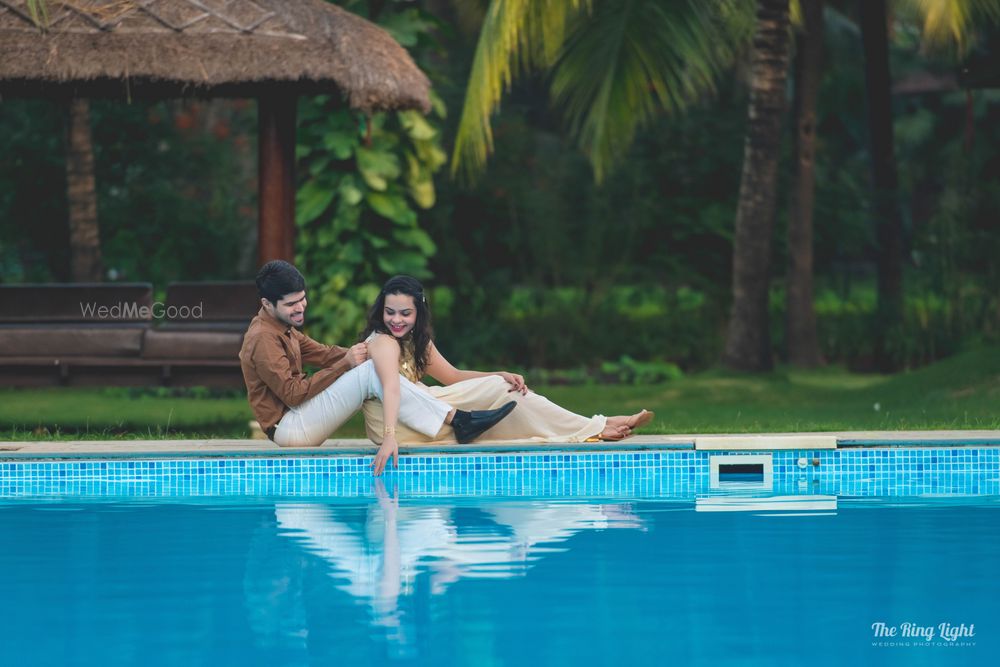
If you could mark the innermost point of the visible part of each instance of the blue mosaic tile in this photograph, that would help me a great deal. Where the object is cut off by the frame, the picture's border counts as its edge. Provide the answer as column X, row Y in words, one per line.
column 852, row 472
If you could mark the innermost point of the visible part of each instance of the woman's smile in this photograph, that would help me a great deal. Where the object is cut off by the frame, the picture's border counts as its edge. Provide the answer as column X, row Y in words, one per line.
column 400, row 314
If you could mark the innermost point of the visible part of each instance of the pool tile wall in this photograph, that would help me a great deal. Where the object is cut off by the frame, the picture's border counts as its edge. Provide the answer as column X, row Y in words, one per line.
column 890, row 471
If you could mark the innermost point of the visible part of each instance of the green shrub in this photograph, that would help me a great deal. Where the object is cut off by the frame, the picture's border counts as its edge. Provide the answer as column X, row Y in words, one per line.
column 568, row 328
column 934, row 327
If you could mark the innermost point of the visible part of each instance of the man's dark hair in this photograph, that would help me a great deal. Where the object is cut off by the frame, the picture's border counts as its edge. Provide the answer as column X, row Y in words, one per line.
column 278, row 278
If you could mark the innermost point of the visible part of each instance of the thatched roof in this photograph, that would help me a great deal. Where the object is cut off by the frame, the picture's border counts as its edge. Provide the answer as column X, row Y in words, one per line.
column 95, row 48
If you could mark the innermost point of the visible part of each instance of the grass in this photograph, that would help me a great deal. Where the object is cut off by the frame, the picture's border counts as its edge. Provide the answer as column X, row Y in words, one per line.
column 962, row 392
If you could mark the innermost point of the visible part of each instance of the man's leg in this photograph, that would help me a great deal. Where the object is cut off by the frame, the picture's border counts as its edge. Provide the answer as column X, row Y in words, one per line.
column 309, row 424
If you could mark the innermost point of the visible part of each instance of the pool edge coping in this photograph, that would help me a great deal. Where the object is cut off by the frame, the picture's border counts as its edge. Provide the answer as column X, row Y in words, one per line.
column 14, row 451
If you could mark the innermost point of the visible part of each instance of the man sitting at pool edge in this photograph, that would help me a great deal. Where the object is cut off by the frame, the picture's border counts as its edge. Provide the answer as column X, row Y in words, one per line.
column 299, row 410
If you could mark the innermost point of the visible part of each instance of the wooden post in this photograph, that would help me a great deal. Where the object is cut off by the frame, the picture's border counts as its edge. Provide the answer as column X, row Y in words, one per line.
column 276, row 174
column 81, row 195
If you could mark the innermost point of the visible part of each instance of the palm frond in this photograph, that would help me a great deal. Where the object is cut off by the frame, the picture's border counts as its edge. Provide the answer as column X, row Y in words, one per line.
column 517, row 36
column 632, row 60
column 951, row 24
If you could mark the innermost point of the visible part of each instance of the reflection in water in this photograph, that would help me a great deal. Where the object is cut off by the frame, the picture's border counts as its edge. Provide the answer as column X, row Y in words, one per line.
column 378, row 555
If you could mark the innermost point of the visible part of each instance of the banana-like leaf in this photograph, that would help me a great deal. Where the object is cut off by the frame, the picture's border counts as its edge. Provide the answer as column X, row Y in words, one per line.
column 517, row 36
column 615, row 65
column 950, row 24
column 631, row 60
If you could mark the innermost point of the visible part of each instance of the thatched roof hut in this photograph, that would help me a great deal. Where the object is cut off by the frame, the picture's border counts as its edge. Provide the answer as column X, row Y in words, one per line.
column 211, row 47
column 273, row 50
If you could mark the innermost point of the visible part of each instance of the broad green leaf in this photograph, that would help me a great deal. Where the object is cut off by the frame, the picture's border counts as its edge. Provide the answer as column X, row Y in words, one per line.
column 431, row 154
column 347, row 218
column 417, row 238
column 438, row 107
column 342, row 144
column 313, row 199
column 391, row 206
column 351, row 252
column 402, row 261
column 326, row 236
column 423, row 194
column 416, row 126
column 405, row 27
column 420, row 182
column 385, row 141
column 377, row 168
column 318, row 166
column 349, row 191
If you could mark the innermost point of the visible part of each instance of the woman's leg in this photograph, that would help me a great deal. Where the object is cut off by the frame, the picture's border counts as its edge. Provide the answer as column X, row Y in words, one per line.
column 536, row 418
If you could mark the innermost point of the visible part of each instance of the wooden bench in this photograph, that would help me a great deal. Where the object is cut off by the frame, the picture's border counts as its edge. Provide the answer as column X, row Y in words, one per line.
column 116, row 335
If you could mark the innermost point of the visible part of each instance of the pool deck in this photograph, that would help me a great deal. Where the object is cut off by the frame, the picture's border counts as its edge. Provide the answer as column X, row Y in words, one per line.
column 216, row 448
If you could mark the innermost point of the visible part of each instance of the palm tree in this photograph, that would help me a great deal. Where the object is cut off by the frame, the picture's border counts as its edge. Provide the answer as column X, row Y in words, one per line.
column 947, row 24
column 888, row 217
column 612, row 66
column 800, row 324
column 748, row 341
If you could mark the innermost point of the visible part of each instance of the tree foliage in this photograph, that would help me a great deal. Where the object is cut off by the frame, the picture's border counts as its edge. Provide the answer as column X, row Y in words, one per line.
column 613, row 66
column 363, row 181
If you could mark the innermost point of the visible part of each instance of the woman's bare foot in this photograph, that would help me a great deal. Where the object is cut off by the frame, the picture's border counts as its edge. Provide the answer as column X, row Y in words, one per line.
column 632, row 422
column 614, row 433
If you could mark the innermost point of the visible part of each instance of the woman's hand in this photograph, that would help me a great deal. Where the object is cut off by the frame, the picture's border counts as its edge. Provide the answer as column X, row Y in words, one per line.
column 515, row 381
column 389, row 448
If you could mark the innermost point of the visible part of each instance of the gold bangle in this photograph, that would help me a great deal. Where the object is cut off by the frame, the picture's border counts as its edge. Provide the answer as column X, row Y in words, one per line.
column 389, row 430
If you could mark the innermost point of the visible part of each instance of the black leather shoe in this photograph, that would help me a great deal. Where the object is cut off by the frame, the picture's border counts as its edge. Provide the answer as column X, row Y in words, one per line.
column 470, row 425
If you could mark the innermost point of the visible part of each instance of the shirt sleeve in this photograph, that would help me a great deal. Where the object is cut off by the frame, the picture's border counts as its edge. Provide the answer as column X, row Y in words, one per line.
column 292, row 387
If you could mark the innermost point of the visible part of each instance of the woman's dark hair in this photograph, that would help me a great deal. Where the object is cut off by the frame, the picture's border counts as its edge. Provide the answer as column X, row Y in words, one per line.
column 278, row 278
column 422, row 331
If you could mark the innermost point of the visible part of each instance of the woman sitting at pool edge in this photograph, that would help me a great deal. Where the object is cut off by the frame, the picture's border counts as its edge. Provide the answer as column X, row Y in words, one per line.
column 400, row 342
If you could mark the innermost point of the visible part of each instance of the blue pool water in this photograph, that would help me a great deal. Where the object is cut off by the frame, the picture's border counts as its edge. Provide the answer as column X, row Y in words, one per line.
column 390, row 576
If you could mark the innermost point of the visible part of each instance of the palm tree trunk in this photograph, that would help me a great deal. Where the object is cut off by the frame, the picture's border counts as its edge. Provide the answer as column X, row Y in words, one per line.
column 889, row 222
column 748, row 341
column 81, row 195
column 800, row 325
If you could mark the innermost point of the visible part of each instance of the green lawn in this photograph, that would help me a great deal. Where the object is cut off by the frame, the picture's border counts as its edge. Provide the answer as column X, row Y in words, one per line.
column 959, row 393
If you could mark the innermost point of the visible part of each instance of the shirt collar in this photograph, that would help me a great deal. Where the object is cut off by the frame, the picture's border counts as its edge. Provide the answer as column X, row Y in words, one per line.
column 273, row 322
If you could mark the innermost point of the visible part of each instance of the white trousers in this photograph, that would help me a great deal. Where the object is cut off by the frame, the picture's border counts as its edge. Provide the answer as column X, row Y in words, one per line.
column 311, row 422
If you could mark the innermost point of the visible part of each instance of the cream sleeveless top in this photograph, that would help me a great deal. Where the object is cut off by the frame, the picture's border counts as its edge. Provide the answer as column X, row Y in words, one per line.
column 407, row 356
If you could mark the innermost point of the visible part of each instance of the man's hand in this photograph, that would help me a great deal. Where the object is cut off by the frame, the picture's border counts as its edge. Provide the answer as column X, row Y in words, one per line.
column 357, row 354
column 389, row 448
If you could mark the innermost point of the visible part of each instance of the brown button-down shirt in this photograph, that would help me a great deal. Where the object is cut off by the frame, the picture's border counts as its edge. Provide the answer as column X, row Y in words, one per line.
column 271, row 359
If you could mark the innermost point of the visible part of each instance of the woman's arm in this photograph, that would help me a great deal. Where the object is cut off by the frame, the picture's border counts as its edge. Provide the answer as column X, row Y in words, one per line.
column 384, row 352
column 441, row 370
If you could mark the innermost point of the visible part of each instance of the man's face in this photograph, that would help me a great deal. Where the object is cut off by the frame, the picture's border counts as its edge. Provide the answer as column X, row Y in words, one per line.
column 290, row 309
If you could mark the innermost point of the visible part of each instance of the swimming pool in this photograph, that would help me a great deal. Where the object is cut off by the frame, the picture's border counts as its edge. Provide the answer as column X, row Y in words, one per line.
column 573, row 559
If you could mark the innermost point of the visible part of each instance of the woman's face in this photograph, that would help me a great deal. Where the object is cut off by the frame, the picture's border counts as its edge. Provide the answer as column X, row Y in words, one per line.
column 399, row 314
